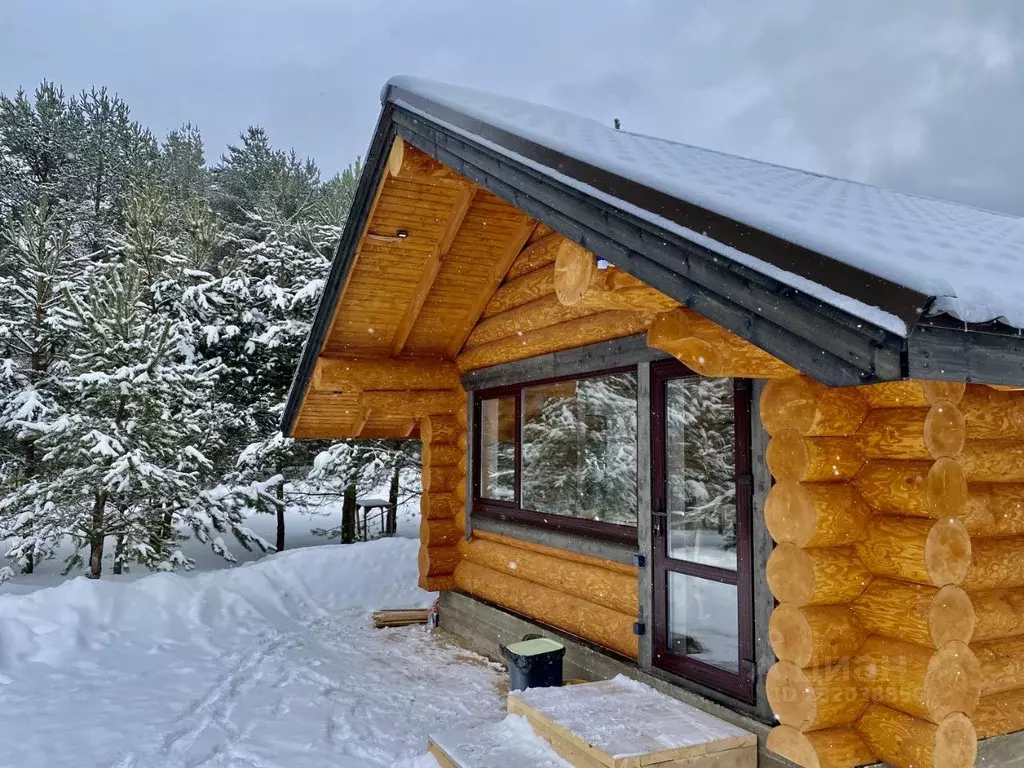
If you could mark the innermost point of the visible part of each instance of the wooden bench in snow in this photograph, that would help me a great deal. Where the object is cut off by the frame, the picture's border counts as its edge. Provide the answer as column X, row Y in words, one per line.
column 621, row 723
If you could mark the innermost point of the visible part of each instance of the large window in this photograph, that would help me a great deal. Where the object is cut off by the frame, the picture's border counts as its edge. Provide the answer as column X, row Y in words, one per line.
column 561, row 454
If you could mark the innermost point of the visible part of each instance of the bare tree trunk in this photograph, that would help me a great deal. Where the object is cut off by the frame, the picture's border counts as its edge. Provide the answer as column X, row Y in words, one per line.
column 391, row 520
column 96, row 536
column 30, row 465
column 348, row 514
column 280, row 517
column 118, row 554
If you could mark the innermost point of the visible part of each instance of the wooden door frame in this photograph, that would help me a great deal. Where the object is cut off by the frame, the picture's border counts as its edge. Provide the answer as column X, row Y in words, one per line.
column 743, row 684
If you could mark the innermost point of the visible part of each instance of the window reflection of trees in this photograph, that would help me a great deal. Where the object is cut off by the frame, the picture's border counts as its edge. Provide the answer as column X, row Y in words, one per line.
column 498, row 449
column 700, row 467
column 579, row 448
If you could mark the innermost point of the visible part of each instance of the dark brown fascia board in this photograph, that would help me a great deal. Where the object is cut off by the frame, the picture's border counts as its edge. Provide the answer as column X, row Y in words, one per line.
column 949, row 350
column 847, row 280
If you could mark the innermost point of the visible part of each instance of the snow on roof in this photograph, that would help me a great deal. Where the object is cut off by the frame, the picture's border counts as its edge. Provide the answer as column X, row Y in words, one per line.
column 971, row 261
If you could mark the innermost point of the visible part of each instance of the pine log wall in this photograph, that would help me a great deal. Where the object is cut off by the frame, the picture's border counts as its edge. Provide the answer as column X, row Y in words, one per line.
column 898, row 511
column 442, row 504
column 533, row 314
column 587, row 597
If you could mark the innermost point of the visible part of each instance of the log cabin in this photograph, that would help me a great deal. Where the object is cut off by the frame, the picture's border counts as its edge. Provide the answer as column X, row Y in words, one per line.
column 752, row 432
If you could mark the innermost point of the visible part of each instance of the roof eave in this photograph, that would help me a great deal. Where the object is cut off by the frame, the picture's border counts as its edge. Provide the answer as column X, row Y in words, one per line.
column 344, row 257
column 824, row 342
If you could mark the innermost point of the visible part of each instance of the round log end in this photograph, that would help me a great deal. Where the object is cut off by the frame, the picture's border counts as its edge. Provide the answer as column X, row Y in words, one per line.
column 787, row 455
column 789, row 403
column 827, row 748
column 952, row 681
column 667, row 329
column 951, row 617
column 951, row 391
column 698, row 356
column 574, row 271
column 790, row 635
column 791, row 695
column 947, row 552
column 794, row 746
column 790, row 574
column 789, row 513
column 944, row 429
column 397, row 156
column 956, row 742
column 946, row 488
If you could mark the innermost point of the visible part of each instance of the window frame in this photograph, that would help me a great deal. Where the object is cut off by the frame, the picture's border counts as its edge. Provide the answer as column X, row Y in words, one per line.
column 741, row 684
column 513, row 511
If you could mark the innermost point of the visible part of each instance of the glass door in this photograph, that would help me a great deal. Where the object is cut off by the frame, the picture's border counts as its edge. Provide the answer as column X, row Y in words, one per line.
column 701, row 528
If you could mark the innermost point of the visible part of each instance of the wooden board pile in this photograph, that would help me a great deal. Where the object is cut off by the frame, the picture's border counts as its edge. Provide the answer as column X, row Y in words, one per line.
column 400, row 617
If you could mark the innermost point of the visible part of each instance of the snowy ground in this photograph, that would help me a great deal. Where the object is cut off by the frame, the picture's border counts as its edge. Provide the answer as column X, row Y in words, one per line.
column 267, row 665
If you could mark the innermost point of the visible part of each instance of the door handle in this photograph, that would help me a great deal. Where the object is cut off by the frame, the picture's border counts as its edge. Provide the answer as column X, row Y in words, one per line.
column 658, row 520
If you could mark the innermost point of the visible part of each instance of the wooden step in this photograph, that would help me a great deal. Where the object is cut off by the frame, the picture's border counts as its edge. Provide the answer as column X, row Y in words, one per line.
column 508, row 744
column 621, row 723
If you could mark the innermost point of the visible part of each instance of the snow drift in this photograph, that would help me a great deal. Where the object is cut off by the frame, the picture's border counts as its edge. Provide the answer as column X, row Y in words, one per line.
column 278, row 590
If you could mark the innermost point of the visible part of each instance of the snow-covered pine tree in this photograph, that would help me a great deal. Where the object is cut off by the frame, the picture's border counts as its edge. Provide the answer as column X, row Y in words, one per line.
column 281, row 232
column 39, row 144
column 38, row 271
column 182, row 171
column 115, row 157
column 40, row 264
column 131, row 444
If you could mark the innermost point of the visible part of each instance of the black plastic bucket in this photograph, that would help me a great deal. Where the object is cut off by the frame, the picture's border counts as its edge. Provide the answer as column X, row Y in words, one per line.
column 534, row 663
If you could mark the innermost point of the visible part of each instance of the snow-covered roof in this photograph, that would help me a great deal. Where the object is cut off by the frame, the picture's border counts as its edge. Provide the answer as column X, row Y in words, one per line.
column 969, row 262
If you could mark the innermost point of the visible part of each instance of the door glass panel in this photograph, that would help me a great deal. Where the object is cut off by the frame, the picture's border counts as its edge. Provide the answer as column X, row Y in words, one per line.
column 579, row 448
column 703, row 620
column 700, row 453
column 498, row 449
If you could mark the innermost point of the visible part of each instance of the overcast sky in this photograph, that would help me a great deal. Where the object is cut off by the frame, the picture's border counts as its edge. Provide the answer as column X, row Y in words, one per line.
column 922, row 95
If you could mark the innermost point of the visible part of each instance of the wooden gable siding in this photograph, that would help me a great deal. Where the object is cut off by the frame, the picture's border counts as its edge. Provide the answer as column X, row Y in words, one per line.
column 386, row 273
column 487, row 231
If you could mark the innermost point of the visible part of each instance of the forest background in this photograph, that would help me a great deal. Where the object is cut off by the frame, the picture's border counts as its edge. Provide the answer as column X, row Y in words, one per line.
column 152, row 310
